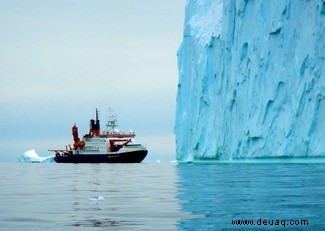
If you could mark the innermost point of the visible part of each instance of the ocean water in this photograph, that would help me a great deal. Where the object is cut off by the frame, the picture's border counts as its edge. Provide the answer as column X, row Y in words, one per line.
column 162, row 196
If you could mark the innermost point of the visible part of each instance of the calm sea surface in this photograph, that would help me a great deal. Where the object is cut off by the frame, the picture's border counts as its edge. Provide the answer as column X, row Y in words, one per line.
column 162, row 196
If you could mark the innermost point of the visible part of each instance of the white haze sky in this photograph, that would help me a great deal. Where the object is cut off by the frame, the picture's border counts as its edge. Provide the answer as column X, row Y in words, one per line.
column 60, row 59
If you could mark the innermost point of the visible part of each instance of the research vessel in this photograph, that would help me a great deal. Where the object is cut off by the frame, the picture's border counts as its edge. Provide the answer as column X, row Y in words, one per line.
column 110, row 146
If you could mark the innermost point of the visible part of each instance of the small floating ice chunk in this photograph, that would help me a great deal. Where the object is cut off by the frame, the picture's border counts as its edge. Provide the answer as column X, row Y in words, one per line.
column 97, row 198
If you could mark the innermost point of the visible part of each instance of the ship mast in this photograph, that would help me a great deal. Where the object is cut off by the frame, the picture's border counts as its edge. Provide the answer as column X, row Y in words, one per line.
column 111, row 120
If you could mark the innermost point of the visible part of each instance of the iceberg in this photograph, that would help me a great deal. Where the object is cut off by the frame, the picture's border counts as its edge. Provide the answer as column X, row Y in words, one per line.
column 251, row 80
column 32, row 157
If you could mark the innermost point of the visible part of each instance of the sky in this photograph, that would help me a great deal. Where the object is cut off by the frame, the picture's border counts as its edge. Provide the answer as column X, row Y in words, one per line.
column 62, row 59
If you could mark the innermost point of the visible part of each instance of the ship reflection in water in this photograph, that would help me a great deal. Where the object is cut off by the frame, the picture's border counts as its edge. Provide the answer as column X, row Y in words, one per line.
column 159, row 196
column 126, row 197
column 210, row 197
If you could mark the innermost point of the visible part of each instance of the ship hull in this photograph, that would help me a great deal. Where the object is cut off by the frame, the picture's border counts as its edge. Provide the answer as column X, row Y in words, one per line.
column 123, row 157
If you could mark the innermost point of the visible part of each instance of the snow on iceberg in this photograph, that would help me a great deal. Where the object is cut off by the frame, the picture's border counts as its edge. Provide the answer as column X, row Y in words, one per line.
column 32, row 157
column 251, row 80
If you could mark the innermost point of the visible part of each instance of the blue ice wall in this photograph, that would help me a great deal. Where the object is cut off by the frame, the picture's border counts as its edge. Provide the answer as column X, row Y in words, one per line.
column 251, row 80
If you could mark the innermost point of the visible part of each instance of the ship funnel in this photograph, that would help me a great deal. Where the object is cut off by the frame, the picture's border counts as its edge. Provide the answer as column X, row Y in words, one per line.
column 94, row 129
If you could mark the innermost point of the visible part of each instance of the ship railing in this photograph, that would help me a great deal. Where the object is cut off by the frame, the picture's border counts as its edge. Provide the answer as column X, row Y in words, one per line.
column 118, row 135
